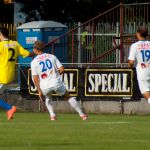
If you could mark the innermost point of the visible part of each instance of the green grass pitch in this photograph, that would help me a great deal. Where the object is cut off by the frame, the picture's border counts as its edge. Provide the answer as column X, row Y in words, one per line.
column 34, row 131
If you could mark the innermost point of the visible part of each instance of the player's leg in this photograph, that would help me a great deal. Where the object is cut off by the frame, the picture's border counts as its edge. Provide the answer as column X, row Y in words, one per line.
column 10, row 109
column 5, row 105
column 146, row 95
column 48, row 102
column 49, row 105
column 144, row 86
column 72, row 101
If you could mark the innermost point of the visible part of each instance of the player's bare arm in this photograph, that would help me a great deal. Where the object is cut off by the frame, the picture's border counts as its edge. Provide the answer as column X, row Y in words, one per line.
column 130, row 63
column 31, row 54
column 61, row 70
column 36, row 82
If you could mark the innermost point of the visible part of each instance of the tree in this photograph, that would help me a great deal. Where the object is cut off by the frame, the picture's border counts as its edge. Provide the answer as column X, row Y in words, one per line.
column 68, row 10
column 5, row 15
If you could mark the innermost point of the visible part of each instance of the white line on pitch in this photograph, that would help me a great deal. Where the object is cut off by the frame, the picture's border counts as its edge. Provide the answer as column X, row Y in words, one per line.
column 59, row 122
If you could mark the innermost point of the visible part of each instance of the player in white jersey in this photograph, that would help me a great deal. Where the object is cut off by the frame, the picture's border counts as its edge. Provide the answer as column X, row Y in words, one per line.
column 46, row 70
column 140, row 52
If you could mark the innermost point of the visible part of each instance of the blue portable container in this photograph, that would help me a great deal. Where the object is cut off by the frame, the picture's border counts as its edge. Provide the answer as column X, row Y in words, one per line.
column 45, row 31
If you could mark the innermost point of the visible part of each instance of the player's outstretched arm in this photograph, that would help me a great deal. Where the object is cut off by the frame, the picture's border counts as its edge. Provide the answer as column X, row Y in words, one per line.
column 31, row 54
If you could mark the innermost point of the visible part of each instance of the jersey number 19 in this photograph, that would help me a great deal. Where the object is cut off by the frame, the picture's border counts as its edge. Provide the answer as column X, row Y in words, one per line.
column 145, row 55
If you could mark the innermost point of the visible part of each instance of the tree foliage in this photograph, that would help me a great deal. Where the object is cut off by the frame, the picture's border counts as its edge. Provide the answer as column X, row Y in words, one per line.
column 67, row 10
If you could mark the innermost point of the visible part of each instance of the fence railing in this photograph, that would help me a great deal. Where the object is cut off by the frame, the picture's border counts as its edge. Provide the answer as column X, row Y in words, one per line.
column 91, row 39
column 105, row 38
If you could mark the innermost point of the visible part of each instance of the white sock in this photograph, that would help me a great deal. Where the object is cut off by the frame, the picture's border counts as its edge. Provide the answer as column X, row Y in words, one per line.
column 49, row 106
column 149, row 100
column 75, row 105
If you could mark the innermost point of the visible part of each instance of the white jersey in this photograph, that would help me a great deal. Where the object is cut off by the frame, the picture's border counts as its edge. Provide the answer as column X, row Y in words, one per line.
column 140, row 52
column 46, row 67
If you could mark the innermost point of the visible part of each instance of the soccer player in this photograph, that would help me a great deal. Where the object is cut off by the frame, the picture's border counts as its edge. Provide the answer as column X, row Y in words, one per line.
column 46, row 72
column 140, row 52
column 9, row 51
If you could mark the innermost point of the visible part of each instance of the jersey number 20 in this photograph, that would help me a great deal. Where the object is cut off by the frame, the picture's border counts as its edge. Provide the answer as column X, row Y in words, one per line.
column 46, row 65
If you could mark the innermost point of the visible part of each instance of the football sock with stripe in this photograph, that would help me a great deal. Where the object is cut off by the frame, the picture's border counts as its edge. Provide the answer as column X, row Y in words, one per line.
column 4, row 105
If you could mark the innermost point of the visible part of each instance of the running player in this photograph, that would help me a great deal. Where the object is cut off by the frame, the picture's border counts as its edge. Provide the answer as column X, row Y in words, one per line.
column 46, row 70
column 140, row 52
column 9, row 51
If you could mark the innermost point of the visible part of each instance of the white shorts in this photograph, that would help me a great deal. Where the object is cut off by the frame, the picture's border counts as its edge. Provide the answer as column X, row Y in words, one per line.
column 143, row 76
column 144, row 85
column 60, row 90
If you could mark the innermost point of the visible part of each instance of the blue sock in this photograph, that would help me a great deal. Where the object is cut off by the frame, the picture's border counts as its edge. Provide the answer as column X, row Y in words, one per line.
column 5, row 105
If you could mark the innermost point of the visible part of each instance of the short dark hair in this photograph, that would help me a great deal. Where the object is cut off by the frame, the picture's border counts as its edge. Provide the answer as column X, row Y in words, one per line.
column 143, row 31
column 39, row 45
column 4, row 31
